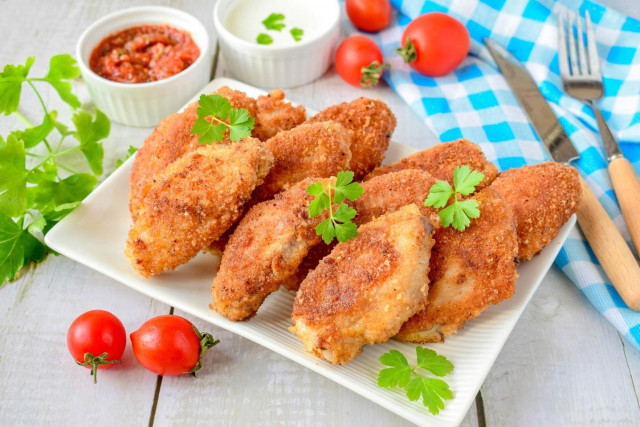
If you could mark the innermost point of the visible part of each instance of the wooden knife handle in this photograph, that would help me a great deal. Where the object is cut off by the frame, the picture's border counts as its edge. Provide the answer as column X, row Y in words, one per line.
column 627, row 187
column 610, row 248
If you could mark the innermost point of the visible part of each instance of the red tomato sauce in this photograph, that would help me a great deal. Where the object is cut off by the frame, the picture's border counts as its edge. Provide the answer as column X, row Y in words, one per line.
column 144, row 54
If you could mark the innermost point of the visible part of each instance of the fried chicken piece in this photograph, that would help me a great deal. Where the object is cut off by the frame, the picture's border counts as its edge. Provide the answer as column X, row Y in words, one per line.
column 371, row 123
column 308, row 264
column 169, row 141
column 310, row 150
column 469, row 270
column 274, row 114
column 382, row 194
column 367, row 288
column 542, row 198
column 441, row 159
column 192, row 202
column 265, row 249
column 389, row 192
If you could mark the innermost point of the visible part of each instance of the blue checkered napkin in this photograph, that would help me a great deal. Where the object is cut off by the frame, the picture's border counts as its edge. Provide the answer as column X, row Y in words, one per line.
column 475, row 102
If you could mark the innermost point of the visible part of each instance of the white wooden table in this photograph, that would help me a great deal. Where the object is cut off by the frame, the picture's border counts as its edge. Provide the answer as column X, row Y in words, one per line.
column 563, row 364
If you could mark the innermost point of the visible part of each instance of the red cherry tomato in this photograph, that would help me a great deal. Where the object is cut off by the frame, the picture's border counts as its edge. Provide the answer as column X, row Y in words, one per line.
column 170, row 345
column 438, row 44
column 369, row 15
column 359, row 61
column 96, row 340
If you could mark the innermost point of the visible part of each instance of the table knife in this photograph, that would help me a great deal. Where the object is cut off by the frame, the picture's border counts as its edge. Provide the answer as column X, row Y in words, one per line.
column 610, row 248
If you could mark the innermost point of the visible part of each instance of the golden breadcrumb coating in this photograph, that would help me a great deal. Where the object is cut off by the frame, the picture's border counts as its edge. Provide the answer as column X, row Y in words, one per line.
column 441, row 159
column 391, row 191
column 265, row 249
column 542, row 198
column 310, row 150
column 366, row 288
column 274, row 114
column 469, row 270
column 371, row 123
column 193, row 201
column 172, row 139
column 382, row 194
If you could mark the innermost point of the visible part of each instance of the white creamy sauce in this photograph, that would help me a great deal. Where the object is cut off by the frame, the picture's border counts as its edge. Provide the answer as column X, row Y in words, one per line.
column 245, row 18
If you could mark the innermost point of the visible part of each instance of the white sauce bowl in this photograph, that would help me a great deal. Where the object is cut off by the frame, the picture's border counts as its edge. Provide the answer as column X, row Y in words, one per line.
column 144, row 104
column 273, row 66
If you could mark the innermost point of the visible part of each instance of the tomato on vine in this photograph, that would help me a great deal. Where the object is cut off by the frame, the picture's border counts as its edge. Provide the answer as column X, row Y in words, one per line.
column 96, row 340
column 359, row 61
column 170, row 345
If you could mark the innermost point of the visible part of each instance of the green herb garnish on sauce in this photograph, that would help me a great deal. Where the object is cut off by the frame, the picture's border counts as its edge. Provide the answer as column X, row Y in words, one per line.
column 264, row 39
column 274, row 22
column 296, row 33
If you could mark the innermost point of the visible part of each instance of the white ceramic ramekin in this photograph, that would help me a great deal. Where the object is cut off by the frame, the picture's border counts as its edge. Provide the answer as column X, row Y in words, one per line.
column 144, row 104
column 271, row 66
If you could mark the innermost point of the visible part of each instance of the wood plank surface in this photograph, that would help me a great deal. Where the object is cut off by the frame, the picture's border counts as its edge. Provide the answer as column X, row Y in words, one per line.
column 563, row 364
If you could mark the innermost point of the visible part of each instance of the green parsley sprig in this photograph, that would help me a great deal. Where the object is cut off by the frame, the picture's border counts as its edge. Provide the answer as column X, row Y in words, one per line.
column 37, row 188
column 274, row 22
column 416, row 383
column 130, row 152
column 296, row 33
column 215, row 116
column 458, row 212
column 339, row 224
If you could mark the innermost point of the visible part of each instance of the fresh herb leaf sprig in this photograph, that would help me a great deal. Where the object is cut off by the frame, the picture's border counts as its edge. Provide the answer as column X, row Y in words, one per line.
column 459, row 212
column 215, row 116
column 37, row 187
column 130, row 152
column 296, row 33
column 339, row 224
column 263, row 38
column 434, row 391
column 274, row 22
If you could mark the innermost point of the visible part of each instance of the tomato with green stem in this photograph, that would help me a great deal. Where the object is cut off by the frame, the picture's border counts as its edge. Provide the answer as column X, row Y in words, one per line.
column 434, row 44
column 359, row 61
column 170, row 345
column 96, row 340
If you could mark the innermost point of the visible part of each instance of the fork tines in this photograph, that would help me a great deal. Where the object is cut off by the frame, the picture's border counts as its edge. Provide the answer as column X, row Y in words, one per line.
column 578, row 61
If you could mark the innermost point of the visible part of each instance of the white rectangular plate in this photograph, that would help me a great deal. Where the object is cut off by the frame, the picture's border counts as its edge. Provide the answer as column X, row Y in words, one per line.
column 95, row 233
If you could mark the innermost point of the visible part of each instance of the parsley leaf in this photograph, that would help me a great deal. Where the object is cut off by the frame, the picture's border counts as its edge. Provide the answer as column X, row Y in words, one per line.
column 296, row 33
column 274, row 22
column 11, row 80
column 339, row 224
column 17, row 248
column 130, row 152
column 211, row 123
column 459, row 213
column 263, row 38
column 35, row 135
column 400, row 374
column 61, row 68
column 89, row 132
column 13, row 177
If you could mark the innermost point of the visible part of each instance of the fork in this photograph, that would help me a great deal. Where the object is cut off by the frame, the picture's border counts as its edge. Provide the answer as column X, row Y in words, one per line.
column 581, row 78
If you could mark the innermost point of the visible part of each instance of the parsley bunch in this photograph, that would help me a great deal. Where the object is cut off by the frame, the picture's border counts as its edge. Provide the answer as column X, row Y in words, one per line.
column 215, row 116
column 416, row 384
column 459, row 212
column 36, row 189
column 339, row 223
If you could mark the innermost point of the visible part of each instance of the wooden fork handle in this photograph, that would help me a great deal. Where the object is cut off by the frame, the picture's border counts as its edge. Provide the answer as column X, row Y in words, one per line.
column 627, row 188
column 610, row 248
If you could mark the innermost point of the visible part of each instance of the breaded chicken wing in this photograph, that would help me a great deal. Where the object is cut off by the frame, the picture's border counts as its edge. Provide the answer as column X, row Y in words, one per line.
column 274, row 114
column 310, row 150
column 441, row 159
column 382, row 194
column 542, row 198
column 367, row 288
column 192, row 202
column 265, row 249
column 389, row 192
column 170, row 140
column 371, row 122
column 469, row 270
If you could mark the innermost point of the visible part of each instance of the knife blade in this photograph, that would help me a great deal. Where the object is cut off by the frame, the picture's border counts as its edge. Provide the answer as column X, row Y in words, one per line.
column 610, row 248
